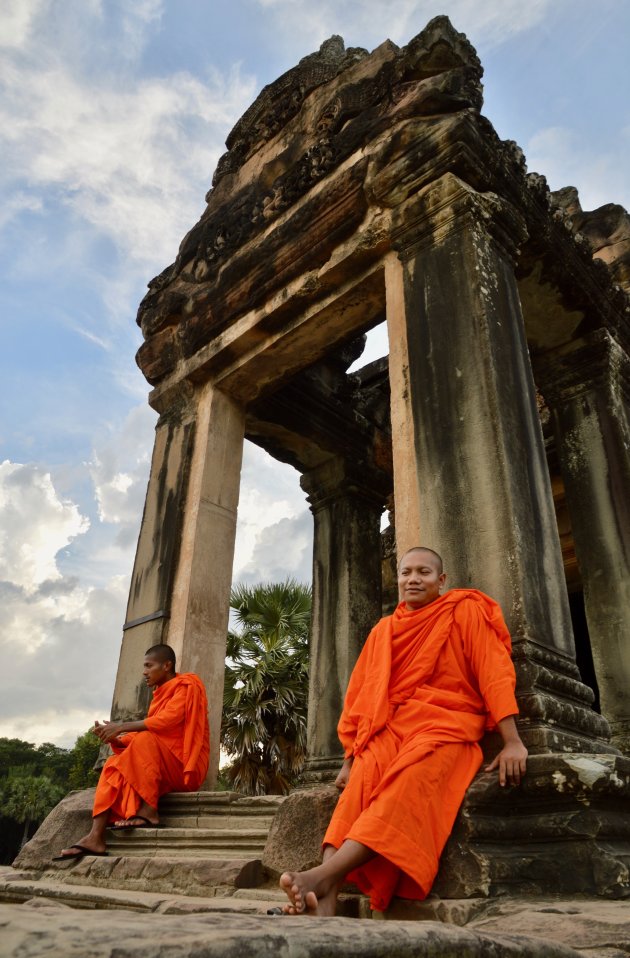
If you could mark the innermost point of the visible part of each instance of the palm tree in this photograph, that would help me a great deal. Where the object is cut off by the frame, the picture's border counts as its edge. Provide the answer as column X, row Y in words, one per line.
column 266, row 686
column 28, row 799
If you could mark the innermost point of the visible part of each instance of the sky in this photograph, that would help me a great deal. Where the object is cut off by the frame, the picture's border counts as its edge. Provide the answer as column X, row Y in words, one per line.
column 113, row 114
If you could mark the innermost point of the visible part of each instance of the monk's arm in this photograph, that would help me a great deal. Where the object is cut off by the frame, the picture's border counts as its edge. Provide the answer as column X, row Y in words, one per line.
column 512, row 759
column 173, row 714
column 107, row 731
column 344, row 774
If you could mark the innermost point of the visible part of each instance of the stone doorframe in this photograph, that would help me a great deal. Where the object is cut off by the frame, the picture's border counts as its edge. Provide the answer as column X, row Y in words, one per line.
column 363, row 186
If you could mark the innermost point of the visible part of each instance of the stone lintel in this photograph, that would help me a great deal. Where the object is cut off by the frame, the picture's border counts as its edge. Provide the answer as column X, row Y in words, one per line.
column 595, row 362
column 300, row 324
column 319, row 414
column 337, row 477
column 449, row 205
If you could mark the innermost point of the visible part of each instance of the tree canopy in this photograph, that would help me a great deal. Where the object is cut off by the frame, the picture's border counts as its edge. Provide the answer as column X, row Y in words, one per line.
column 33, row 779
column 266, row 686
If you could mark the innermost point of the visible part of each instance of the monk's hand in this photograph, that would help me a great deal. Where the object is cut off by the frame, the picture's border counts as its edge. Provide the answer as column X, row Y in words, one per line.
column 511, row 762
column 108, row 731
column 342, row 779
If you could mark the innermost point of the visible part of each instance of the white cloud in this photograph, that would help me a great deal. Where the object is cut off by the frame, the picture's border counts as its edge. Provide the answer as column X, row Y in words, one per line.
column 130, row 156
column 567, row 159
column 62, row 643
column 282, row 550
column 132, row 163
column 270, row 494
column 16, row 20
column 35, row 525
column 370, row 21
column 58, row 636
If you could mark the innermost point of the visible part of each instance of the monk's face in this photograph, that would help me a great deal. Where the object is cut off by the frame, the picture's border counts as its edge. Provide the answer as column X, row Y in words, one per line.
column 419, row 579
column 156, row 672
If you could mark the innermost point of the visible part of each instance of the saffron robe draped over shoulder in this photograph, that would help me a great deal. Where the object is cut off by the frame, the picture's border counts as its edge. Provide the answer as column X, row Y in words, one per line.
column 170, row 756
column 427, row 685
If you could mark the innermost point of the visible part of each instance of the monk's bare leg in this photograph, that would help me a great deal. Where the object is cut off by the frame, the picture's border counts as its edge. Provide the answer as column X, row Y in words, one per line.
column 314, row 892
column 95, row 838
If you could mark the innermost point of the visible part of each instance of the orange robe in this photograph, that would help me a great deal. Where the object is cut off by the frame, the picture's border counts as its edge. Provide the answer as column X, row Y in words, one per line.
column 170, row 756
column 423, row 691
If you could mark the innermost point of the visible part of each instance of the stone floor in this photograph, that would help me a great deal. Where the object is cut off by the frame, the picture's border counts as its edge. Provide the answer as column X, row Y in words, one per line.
column 39, row 916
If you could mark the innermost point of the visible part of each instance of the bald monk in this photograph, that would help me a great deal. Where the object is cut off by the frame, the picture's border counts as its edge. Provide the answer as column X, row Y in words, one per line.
column 430, row 680
column 165, row 752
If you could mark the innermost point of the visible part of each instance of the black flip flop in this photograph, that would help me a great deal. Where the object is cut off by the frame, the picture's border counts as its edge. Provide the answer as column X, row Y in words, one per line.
column 81, row 853
column 146, row 823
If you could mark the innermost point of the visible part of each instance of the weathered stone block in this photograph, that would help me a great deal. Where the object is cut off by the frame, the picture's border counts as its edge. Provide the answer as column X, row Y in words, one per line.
column 295, row 837
column 128, row 935
column 70, row 819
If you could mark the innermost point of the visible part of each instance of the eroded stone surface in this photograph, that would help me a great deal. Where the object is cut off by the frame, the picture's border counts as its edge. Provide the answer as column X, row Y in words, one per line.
column 67, row 822
column 295, row 837
column 28, row 932
column 564, row 828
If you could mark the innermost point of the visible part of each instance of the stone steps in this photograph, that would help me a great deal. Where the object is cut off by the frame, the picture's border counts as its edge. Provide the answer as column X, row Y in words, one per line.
column 209, row 844
column 220, row 842
column 18, row 887
column 222, row 826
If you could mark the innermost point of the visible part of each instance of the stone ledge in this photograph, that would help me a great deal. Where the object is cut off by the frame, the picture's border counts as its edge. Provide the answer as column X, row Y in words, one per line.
column 20, row 887
column 186, row 876
column 55, row 930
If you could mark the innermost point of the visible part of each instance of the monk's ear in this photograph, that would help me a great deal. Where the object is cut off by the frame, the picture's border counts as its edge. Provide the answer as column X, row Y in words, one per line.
column 442, row 580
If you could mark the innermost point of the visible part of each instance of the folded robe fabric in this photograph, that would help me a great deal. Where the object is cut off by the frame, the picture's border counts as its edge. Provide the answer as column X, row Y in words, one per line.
column 426, row 686
column 170, row 756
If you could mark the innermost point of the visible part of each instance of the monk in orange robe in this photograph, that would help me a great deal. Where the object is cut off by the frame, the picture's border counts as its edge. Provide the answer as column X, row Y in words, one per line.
column 430, row 680
column 165, row 752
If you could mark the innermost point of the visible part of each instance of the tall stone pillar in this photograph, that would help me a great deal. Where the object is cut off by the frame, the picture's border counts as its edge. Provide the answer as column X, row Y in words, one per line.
column 587, row 387
column 148, row 607
column 470, row 474
column 347, row 505
column 183, row 566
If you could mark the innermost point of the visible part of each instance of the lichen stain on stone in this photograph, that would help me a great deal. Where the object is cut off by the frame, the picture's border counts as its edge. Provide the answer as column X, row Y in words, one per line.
column 559, row 780
column 587, row 770
column 615, row 779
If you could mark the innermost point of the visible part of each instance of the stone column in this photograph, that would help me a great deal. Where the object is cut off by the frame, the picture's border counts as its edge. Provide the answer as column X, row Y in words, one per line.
column 347, row 505
column 184, row 566
column 470, row 473
column 148, row 607
column 587, row 387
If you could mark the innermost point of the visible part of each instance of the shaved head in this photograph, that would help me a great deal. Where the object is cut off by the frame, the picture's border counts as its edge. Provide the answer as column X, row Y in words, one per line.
column 437, row 557
column 162, row 653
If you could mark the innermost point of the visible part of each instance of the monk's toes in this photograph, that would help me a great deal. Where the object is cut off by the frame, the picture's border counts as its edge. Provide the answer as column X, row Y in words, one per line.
column 311, row 902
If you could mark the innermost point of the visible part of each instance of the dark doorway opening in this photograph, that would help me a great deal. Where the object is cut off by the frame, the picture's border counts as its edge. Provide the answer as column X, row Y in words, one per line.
column 583, row 654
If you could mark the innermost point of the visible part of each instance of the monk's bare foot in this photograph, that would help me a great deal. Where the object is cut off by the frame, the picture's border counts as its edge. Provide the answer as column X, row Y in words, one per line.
column 136, row 821
column 145, row 817
column 95, row 845
column 309, row 893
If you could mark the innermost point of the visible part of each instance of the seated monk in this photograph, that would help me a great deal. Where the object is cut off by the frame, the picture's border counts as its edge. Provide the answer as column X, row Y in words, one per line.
column 165, row 752
column 429, row 681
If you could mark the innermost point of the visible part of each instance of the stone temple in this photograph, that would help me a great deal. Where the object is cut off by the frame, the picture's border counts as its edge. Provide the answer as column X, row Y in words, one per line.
column 362, row 188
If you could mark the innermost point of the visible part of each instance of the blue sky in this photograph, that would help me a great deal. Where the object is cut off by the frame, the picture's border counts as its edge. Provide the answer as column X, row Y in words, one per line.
column 113, row 114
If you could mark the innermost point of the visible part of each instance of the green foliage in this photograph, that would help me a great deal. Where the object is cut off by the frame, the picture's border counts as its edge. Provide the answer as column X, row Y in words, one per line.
column 22, row 758
column 266, row 687
column 33, row 779
column 28, row 799
column 84, row 754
